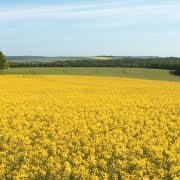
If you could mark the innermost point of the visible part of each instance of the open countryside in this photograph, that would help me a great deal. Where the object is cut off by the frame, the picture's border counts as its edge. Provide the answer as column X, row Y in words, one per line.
column 90, row 90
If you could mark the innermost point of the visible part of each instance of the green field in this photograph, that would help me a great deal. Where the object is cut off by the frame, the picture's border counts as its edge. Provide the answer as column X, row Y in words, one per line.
column 154, row 74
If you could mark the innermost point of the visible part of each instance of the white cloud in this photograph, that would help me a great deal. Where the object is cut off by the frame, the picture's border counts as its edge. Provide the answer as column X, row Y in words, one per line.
column 124, row 13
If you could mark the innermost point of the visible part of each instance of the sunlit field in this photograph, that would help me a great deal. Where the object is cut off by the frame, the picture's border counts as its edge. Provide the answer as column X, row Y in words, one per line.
column 138, row 73
column 76, row 127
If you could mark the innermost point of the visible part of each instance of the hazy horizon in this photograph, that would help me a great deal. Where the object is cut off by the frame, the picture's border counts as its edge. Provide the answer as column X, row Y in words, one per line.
column 91, row 28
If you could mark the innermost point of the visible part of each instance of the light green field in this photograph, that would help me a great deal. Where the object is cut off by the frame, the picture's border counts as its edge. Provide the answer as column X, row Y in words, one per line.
column 154, row 74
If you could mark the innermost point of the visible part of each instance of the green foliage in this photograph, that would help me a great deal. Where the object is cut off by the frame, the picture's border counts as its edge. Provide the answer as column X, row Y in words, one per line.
column 177, row 72
column 3, row 61
column 169, row 63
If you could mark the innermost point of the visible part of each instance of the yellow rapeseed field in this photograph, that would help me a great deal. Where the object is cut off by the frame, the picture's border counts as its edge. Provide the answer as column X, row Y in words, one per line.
column 70, row 127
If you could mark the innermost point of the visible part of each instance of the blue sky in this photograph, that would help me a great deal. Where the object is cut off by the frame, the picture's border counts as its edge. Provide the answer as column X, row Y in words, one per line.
column 90, row 27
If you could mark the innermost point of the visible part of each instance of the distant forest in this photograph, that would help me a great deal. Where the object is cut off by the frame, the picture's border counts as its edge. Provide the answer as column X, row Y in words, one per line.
column 169, row 63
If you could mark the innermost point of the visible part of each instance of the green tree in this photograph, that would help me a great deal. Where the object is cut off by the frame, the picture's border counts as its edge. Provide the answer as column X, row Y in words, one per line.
column 3, row 61
column 177, row 72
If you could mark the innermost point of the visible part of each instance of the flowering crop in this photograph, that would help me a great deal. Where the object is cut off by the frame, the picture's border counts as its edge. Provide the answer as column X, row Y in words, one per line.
column 70, row 127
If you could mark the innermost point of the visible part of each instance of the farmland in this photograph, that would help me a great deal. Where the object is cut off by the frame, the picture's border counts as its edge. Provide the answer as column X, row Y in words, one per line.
column 140, row 73
column 87, row 127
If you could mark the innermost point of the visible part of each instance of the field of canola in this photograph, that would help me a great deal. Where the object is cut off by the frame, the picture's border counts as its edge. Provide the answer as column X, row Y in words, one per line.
column 70, row 127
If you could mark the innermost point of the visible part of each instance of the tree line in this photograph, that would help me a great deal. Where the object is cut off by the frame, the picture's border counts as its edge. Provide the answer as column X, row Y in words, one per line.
column 169, row 63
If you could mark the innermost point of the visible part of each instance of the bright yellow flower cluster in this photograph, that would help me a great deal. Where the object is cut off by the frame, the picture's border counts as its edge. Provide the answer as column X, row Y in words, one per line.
column 60, row 127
